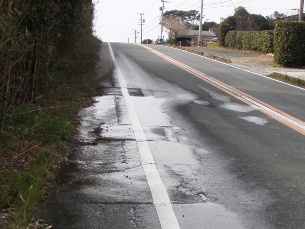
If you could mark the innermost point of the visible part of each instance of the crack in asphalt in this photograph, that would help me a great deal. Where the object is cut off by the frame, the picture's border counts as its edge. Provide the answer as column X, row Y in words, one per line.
column 134, row 217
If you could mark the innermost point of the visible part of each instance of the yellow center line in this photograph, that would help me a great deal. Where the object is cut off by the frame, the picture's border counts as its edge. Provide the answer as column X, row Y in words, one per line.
column 273, row 112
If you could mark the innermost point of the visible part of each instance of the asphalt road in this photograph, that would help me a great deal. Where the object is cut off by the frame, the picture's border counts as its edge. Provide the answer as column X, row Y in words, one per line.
column 165, row 148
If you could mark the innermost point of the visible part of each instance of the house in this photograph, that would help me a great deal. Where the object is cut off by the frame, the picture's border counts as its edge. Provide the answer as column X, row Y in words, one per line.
column 190, row 37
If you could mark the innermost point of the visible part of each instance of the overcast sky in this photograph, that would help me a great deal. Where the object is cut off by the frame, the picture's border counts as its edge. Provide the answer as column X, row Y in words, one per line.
column 116, row 20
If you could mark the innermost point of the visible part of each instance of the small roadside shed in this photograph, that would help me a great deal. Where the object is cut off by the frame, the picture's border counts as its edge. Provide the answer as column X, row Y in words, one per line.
column 190, row 37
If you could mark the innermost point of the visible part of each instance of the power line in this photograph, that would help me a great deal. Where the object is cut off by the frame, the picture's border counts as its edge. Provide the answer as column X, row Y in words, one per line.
column 211, row 5
column 151, row 23
column 197, row 3
column 216, row 3
column 148, row 9
column 181, row 4
column 148, row 32
column 228, row 5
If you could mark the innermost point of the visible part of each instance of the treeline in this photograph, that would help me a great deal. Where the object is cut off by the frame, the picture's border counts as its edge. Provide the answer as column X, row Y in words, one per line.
column 34, row 35
column 280, row 35
column 242, row 20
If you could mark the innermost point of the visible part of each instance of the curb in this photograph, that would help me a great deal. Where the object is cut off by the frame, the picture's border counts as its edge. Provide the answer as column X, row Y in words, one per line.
column 209, row 55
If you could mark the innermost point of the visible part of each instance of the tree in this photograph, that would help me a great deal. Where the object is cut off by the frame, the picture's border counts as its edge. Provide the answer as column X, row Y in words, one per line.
column 276, row 16
column 259, row 23
column 190, row 18
column 279, row 16
column 242, row 18
column 244, row 21
column 241, row 12
column 249, row 22
column 178, row 22
column 228, row 24
column 174, row 25
column 206, row 26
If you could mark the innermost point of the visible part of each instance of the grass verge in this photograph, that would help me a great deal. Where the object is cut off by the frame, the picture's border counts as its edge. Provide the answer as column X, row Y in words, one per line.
column 37, row 134
column 288, row 79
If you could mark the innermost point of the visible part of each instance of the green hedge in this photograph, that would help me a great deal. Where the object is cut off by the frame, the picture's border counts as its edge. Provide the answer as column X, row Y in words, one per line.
column 250, row 40
column 289, row 45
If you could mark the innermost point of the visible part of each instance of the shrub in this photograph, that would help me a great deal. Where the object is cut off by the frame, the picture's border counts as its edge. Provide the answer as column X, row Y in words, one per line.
column 34, row 34
column 289, row 46
column 224, row 28
column 47, row 60
column 250, row 40
column 147, row 41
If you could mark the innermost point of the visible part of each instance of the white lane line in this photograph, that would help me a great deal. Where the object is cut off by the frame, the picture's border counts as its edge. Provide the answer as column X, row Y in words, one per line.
column 160, row 196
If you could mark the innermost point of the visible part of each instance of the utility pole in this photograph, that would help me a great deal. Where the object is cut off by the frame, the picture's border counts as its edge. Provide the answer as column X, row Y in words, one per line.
column 301, row 10
column 162, row 12
column 135, row 35
column 142, row 21
column 200, row 24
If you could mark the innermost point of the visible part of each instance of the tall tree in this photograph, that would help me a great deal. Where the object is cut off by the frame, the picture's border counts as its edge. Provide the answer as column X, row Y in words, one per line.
column 277, row 16
column 178, row 22
column 207, row 25
column 190, row 18
column 249, row 22
column 175, row 26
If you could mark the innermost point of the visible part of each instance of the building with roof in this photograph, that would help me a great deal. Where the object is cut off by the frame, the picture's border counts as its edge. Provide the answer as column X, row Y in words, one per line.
column 190, row 37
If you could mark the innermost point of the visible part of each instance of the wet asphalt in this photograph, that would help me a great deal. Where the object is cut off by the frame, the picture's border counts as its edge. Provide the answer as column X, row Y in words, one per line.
column 223, row 163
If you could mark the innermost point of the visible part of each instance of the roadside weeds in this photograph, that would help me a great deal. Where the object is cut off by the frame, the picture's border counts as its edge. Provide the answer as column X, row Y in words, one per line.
column 288, row 79
column 38, row 135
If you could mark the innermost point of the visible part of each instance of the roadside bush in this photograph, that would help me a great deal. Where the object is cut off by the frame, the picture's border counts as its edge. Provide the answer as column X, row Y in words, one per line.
column 289, row 46
column 47, row 72
column 224, row 28
column 147, row 41
column 171, row 41
column 250, row 40
column 34, row 35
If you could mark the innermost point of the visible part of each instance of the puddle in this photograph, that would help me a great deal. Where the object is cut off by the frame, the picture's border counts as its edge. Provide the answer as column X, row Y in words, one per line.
column 103, row 110
column 111, row 91
column 178, row 165
column 118, row 132
column 135, row 92
column 237, row 107
column 202, row 102
column 256, row 120
column 216, row 95
column 206, row 215
column 149, row 110
column 125, row 132
column 227, row 104
column 175, row 154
